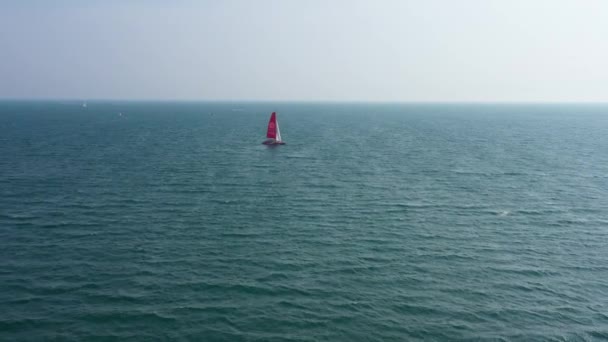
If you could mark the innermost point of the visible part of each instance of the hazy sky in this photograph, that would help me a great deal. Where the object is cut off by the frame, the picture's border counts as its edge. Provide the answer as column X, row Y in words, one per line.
column 424, row 50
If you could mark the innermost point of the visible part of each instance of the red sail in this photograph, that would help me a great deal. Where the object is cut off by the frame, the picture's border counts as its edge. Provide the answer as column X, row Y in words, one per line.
column 272, row 127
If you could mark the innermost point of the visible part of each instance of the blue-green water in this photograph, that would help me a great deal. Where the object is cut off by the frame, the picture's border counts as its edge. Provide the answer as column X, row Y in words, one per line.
column 375, row 222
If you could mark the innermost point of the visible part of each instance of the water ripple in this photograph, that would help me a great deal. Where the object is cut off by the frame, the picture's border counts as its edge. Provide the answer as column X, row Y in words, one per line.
column 468, row 225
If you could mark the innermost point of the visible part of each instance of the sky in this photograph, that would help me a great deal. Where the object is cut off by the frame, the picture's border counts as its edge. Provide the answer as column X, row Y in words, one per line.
column 306, row 50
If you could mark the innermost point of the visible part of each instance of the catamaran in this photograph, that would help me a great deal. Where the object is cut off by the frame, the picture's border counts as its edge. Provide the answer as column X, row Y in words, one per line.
column 273, row 134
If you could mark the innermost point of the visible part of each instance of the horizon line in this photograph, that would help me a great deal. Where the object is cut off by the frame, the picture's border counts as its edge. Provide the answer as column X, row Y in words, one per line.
column 74, row 99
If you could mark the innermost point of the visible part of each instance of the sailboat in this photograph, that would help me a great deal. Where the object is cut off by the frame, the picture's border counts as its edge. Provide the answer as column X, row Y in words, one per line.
column 273, row 134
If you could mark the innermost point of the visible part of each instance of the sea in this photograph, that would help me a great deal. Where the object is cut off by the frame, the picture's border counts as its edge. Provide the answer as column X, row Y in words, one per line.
column 170, row 221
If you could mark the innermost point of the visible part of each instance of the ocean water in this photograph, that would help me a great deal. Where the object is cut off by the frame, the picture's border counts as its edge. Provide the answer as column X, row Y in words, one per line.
column 376, row 222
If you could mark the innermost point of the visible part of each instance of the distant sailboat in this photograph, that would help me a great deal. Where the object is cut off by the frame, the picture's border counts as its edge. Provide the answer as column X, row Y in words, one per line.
column 273, row 134
column 84, row 104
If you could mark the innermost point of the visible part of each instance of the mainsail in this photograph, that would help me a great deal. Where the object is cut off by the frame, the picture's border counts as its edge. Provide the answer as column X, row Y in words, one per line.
column 273, row 128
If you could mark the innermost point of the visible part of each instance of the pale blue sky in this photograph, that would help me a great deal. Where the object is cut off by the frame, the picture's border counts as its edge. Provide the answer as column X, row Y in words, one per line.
column 425, row 50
